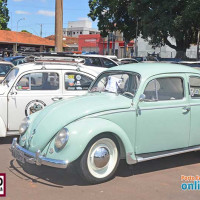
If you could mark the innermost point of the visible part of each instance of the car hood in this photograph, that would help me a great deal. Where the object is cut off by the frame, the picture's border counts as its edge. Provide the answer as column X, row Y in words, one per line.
column 2, row 89
column 56, row 116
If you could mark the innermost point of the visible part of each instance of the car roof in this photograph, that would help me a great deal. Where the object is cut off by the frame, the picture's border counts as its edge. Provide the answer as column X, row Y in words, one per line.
column 32, row 66
column 150, row 69
column 6, row 62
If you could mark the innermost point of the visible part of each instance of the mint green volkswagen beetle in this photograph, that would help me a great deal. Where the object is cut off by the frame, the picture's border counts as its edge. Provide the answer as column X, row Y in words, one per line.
column 136, row 112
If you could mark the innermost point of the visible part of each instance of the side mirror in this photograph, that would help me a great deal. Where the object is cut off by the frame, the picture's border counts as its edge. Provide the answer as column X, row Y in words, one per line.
column 142, row 97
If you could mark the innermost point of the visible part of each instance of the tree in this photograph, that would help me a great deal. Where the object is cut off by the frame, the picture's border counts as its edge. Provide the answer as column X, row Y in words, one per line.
column 112, row 15
column 25, row 31
column 158, row 20
column 4, row 17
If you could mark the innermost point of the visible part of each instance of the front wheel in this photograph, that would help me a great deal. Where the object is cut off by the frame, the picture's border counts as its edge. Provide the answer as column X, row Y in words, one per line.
column 100, row 160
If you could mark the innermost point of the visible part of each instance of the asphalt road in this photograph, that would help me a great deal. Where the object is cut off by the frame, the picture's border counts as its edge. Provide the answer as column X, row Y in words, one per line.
column 152, row 180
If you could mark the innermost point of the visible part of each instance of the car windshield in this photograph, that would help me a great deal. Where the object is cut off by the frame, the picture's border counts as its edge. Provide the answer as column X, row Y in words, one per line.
column 4, row 69
column 124, row 83
column 11, row 76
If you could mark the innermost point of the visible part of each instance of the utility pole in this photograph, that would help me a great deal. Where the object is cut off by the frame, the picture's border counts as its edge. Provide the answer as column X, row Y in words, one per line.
column 59, row 26
column 40, row 30
column 198, row 41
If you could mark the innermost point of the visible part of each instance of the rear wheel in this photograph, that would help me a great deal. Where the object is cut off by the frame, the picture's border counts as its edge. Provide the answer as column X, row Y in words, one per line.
column 100, row 160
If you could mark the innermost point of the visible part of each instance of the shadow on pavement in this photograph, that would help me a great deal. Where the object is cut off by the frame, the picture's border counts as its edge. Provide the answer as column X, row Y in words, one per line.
column 67, row 177
column 125, row 170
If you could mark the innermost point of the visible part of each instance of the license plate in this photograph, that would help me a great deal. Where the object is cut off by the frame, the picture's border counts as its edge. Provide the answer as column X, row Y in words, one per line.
column 19, row 156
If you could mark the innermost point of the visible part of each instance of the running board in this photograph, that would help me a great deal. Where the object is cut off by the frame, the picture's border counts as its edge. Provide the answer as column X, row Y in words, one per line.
column 151, row 156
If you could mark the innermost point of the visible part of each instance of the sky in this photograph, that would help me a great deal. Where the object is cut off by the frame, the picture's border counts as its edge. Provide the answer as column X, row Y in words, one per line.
column 33, row 13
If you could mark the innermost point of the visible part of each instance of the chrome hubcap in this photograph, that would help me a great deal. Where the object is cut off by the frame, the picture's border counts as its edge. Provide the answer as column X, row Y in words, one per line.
column 101, row 157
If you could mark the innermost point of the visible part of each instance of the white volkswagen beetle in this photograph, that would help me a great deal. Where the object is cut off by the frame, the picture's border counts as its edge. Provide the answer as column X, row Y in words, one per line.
column 28, row 88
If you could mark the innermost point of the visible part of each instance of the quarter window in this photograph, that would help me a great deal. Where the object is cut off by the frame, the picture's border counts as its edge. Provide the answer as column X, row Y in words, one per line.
column 93, row 62
column 108, row 63
column 39, row 81
column 164, row 89
column 195, row 87
column 75, row 81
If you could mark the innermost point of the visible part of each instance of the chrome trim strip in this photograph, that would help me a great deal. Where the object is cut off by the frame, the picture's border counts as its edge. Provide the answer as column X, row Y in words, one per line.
column 36, row 158
column 129, row 159
column 152, row 156
column 110, row 112
column 164, row 107
column 195, row 104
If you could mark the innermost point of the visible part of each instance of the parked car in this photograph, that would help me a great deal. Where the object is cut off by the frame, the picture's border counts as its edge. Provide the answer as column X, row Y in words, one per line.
column 99, row 61
column 127, row 61
column 16, row 60
column 28, row 88
column 134, row 112
column 5, row 67
column 195, row 64
column 146, row 59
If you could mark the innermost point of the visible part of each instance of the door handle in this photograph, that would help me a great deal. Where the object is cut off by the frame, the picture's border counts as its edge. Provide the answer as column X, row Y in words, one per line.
column 186, row 109
column 57, row 98
column 13, row 93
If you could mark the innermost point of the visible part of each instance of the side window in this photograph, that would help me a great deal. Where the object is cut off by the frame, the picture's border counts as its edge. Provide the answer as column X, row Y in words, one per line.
column 93, row 62
column 108, row 63
column 162, row 89
column 75, row 81
column 195, row 87
column 39, row 81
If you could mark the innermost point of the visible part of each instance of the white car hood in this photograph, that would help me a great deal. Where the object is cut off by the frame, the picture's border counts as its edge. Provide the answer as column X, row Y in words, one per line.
column 2, row 89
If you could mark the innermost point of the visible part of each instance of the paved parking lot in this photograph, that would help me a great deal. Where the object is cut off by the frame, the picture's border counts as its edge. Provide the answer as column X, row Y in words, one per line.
column 156, row 180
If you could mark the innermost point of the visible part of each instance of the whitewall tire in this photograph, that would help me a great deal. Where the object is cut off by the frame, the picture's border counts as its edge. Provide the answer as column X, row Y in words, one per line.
column 100, row 160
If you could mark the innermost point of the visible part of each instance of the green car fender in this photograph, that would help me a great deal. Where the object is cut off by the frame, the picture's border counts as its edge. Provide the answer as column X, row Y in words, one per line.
column 81, row 132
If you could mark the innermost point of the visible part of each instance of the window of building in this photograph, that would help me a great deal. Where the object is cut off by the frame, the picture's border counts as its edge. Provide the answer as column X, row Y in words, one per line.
column 74, row 33
column 195, row 87
column 161, row 89
column 81, row 32
column 76, row 81
column 39, row 81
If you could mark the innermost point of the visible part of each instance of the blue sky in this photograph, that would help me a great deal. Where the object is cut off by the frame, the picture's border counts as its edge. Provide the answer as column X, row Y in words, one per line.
column 38, row 12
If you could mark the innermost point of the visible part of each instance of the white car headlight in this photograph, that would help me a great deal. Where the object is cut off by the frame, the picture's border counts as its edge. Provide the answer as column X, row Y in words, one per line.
column 62, row 138
column 24, row 126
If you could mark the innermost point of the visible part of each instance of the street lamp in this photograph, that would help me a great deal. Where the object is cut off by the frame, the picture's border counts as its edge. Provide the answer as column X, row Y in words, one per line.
column 17, row 33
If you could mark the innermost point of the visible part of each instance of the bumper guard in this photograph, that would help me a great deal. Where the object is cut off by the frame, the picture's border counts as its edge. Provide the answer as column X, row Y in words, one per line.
column 24, row 156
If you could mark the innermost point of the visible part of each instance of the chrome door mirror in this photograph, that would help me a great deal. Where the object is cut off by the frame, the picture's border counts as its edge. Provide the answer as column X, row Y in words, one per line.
column 142, row 97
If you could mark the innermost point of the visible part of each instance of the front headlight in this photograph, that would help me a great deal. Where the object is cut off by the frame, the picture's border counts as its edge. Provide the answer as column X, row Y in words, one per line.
column 24, row 126
column 62, row 138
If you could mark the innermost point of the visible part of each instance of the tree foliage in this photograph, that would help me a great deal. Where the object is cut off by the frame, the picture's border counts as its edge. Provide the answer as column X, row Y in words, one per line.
column 158, row 20
column 4, row 17
column 25, row 31
column 112, row 15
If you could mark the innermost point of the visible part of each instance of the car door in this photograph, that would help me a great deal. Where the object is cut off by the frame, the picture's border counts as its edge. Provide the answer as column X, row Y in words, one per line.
column 76, row 83
column 32, row 92
column 163, row 120
column 194, row 97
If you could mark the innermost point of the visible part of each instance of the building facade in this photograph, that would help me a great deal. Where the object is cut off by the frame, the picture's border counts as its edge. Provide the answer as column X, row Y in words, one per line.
column 81, row 27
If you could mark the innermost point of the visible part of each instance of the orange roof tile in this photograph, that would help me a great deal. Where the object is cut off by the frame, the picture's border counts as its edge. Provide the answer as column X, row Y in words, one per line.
column 23, row 38
column 67, row 41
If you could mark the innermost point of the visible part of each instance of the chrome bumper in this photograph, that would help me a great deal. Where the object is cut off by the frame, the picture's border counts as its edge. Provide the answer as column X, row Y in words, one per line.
column 24, row 155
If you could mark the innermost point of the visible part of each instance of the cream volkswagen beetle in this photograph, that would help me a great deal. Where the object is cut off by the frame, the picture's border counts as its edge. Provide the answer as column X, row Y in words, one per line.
column 28, row 88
